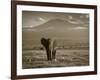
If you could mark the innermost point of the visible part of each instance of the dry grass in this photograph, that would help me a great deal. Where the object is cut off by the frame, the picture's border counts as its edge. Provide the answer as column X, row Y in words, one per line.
column 64, row 58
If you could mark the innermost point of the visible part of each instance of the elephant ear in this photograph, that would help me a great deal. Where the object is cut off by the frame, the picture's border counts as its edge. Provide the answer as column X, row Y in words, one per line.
column 43, row 40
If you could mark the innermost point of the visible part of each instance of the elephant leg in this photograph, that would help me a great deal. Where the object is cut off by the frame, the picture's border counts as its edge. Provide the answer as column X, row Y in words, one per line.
column 54, row 54
column 48, row 54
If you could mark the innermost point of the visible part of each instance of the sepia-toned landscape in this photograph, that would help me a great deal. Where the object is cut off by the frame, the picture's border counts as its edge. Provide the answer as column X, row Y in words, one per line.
column 70, row 30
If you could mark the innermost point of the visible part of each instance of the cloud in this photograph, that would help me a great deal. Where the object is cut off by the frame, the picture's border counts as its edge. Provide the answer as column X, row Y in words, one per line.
column 70, row 17
column 75, row 21
column 41, row 19
column 79, row 27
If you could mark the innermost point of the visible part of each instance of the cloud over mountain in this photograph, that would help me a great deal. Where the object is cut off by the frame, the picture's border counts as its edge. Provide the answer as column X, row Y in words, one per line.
column 58, row 28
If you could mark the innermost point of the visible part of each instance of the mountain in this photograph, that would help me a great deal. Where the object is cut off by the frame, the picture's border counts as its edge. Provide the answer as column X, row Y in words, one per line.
column 54, row 23
column 56, row 28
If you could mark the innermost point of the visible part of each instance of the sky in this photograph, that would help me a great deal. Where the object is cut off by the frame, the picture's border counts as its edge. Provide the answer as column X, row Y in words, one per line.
column 31, row 19
column 60, row 25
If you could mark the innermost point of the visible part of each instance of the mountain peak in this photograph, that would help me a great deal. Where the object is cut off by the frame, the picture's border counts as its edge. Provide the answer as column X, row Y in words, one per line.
column 55, row 23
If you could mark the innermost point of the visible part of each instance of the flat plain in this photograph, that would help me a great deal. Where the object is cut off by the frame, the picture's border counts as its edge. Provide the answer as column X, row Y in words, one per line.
column 64, row 58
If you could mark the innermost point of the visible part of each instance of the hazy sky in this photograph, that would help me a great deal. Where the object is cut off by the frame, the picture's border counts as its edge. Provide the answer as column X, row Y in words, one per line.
column 31, row 19
column 60, row 25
